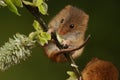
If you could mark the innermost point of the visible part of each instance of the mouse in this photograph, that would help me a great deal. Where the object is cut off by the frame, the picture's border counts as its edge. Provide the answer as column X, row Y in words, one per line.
column 98, row 69
column 70, row 24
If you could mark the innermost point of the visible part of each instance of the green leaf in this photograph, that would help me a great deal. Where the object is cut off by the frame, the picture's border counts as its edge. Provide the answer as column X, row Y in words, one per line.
column 46, row 35
column 43, row 37
column 33, row 35
column 72, row 75
column 42, row 40
column 18, row 3
column 12, row 7
column 28, row 3
column 36, row 26
column 2, row 3
column 43, row 8
column 37, row 2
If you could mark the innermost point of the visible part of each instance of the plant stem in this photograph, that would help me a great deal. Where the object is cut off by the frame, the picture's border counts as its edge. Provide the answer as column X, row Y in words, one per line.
column 72, row 62
column 34, row 11
column 67, row 56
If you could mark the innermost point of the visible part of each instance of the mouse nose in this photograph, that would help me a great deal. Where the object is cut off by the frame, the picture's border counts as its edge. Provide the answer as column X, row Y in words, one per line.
column 62, row 31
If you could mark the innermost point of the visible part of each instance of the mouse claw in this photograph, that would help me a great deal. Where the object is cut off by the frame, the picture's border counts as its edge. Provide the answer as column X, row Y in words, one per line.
column 66, row 43
column 50, row 31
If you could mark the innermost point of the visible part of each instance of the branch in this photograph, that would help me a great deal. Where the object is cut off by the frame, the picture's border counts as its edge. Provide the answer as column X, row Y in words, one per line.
column 34, row 11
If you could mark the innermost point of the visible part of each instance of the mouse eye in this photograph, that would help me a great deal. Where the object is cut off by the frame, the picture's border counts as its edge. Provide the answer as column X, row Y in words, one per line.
column 62, row 20
column 71, row 25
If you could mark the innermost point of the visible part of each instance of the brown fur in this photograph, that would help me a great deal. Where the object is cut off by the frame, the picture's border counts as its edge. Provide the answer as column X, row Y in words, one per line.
column 98, row 69
column 61, row 25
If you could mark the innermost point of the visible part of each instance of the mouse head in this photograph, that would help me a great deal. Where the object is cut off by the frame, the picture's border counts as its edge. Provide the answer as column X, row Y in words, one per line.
column 72, row 19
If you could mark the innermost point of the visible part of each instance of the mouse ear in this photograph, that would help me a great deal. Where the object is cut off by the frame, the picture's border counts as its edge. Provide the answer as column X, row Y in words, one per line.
column 82, row 19
column 85, row 19
column 78, row 16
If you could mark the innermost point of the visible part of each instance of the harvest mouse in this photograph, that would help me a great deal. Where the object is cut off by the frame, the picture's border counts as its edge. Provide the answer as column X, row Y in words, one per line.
column 70, row 24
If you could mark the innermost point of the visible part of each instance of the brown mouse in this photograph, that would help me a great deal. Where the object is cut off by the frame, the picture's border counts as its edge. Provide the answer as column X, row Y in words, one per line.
column 98, row 69
column 70, row 24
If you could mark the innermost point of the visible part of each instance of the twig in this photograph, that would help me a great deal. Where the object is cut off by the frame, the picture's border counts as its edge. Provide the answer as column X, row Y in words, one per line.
column 34, row 11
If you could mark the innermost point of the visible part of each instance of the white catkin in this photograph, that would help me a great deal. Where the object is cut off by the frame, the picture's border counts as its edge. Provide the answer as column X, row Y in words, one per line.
column 15, row 50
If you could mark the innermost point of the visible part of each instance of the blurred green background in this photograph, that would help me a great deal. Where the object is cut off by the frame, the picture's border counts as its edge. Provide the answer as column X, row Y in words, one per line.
column 104, row 26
